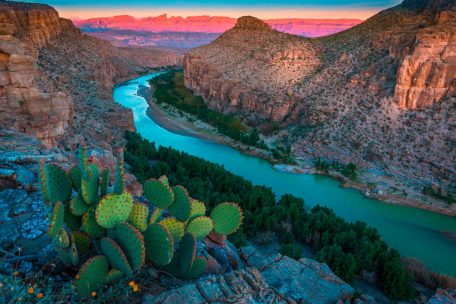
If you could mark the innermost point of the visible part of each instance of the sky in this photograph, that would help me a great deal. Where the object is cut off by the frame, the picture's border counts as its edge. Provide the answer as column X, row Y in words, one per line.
column 265, row 9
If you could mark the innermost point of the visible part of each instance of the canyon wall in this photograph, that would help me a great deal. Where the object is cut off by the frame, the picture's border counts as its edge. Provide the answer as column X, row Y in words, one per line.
column 56, row 82
column 428, row 73
column 28, row 101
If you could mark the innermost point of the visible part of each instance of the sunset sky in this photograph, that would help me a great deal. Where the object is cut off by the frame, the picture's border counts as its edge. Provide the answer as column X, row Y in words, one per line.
column 266, row 9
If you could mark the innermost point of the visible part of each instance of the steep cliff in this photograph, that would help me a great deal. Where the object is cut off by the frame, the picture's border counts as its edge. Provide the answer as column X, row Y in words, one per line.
column 428, row 73
column 380, row 95
column 28, row 101
column 55, row 82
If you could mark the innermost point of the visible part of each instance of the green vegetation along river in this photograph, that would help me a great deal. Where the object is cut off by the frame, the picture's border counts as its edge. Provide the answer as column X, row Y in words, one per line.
column 414, row 232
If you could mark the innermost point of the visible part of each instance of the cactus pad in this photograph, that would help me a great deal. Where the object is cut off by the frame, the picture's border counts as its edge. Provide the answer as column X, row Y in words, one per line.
column 74, row 254
column 90, row 225
column 197, row 209
column 164, row 180
column 77, row 206
column 176, row 228
column 42, row 180
column 92, row 275
column 200, row 227
column 104, row 182
column 113, row 275
column 82, row 241
column 187, row 252
column 227, row 218
column 58, row 184
column 158, row 193
column 63, row 255
column 159, row 244
column 197, row 268
column 62, row 239
column 75, row 174
column 72, row 221
column 90, row 185
column 115, row 255
column 155, row 216
column 119, row 184
column 181, row 205
column 56, row 220
column 114, row 209
column 138, row 216
column 132, row 243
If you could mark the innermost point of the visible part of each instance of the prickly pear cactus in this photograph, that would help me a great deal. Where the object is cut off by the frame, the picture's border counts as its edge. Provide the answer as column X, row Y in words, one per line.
column 139, row 216
column 176, row 228
column 57, row 184
column 119, row 183
column 92, row 275
column 115, row 255
column 93, row 222
column 114, row 209
column 187, row 252
column 227, row 218
column 57, row 220
column 132, row 243
column 158, row 193
column 159, row 244
column 181, row 206
column 200, row 227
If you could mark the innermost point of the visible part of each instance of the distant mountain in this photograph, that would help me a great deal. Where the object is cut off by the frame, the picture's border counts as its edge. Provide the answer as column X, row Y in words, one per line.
column 208, row 24
column 194, row 31
column 381, row 94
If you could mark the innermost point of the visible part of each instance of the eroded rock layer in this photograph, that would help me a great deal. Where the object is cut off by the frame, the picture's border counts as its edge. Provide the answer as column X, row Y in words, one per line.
column 55, row 82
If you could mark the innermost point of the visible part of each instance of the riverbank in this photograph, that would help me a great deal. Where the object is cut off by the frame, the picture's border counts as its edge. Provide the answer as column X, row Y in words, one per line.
column 176, row 121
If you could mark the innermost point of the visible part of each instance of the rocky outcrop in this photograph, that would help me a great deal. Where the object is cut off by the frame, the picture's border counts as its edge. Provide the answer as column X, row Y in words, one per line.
column 28, row 102
column 269, row 279
column 428, row 73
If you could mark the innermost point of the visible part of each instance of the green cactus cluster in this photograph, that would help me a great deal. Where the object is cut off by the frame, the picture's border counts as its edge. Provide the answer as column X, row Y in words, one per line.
column 112, row 235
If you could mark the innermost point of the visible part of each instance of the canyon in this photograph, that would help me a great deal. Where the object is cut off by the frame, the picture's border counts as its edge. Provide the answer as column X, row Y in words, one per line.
column 55, row 82
column 194, row 31
column 380, row 95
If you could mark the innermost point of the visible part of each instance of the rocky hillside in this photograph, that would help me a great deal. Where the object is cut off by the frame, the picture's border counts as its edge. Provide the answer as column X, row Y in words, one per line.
column 380, row 94
column 55, row 82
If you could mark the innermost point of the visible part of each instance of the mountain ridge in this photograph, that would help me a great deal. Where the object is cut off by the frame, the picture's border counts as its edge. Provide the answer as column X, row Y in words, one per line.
column 354, row 96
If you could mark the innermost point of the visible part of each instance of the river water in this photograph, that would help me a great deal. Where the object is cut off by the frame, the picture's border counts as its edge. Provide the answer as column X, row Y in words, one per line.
column 414, row 232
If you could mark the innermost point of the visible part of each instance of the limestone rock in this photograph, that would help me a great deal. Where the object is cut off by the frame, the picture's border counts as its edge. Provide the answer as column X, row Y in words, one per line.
column 428, row 73
column 243, row 286
column 304, row 281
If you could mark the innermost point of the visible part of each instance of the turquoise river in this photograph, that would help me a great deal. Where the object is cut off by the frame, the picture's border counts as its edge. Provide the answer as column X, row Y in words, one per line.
column 413, row 232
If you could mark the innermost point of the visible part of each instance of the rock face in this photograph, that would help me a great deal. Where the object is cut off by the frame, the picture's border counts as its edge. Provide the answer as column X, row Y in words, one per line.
column 270, row 279
column 28, row 102
column 349, row 97
column 55, row 82
column 428, row 73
